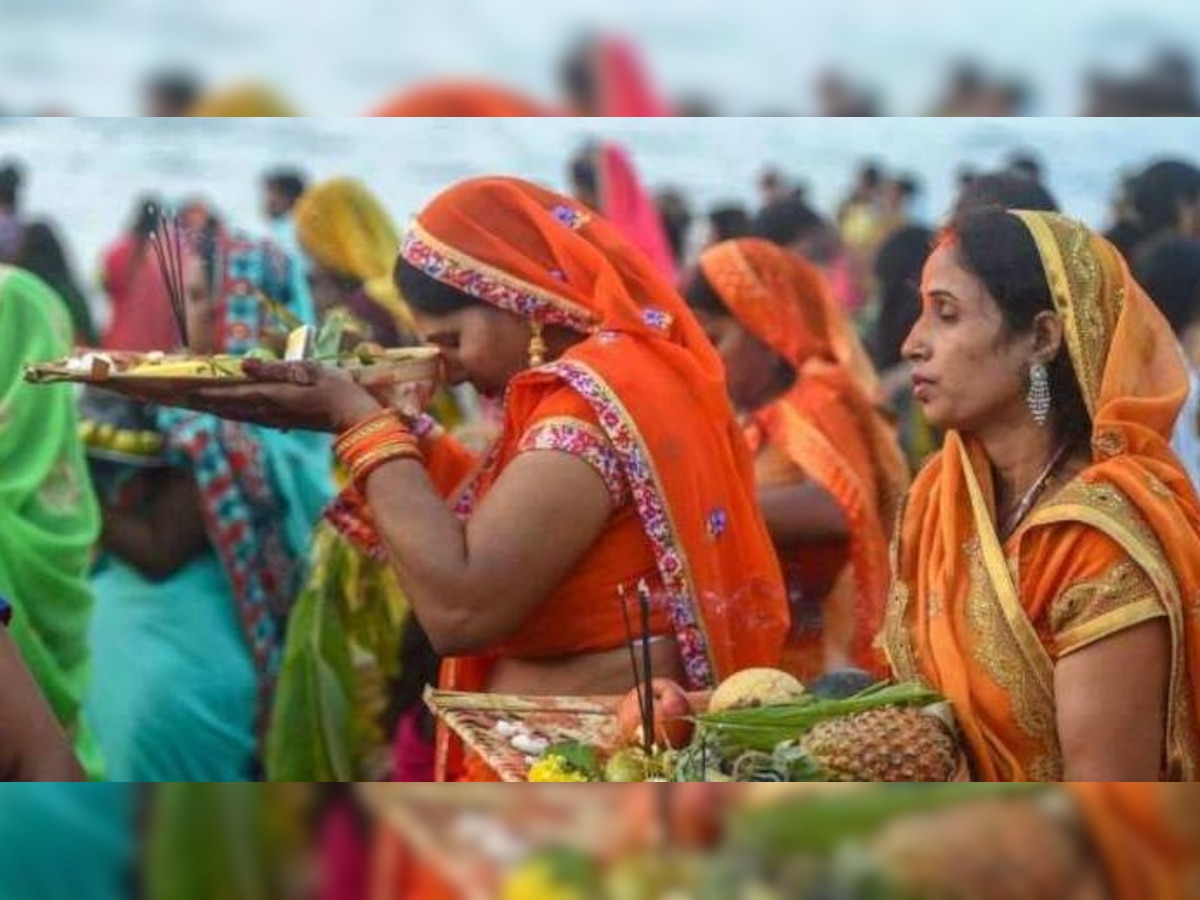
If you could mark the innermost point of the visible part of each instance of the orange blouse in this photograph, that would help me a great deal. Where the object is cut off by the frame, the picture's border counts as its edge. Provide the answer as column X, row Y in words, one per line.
column 1076, row 579
column 584, row 615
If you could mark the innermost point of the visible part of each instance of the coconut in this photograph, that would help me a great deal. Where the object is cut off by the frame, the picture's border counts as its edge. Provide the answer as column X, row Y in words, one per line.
column 756, row 687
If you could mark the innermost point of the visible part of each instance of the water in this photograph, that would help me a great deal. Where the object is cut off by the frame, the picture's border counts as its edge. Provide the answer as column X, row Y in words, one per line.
column 86, row 173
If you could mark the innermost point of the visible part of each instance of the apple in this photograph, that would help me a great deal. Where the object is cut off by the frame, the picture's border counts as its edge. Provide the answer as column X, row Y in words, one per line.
column 673, row 725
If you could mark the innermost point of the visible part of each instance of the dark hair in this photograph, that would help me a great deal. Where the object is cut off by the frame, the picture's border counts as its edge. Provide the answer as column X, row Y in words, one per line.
column 419, row 665
column 703, row 297
column 1169, row 269
column 583, row 171
column 43, row 254
column 288, row 182
column 730, row 222
column 11, row 177
column 907, row 186
column 786, row 221
column 998, row 249
column 1004, row 190
column 871, row 174
column 898, row 271
column 676, row 217
column 577, row 74
column 1026, row 164
column 177, row 90
column 1159, row 192
column 426, row 294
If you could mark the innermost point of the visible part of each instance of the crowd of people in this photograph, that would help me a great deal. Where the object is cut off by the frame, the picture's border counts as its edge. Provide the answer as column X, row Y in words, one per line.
column 961, row 451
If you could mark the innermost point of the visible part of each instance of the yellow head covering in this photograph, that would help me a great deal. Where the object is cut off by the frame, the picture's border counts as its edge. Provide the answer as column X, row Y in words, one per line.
column 243, row 101
column 343, row 227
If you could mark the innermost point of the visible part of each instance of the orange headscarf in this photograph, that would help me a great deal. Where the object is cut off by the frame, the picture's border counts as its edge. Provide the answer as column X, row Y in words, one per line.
column 657, row 388
column 783, row 300
column 1134, row 381
column 465, row 98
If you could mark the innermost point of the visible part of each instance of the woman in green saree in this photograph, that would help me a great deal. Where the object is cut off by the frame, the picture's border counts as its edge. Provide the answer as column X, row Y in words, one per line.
column 48, row 515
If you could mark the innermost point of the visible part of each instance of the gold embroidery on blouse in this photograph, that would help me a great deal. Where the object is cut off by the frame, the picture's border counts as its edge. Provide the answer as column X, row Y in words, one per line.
column 997, row 651
column 1122, row 585
column 1105, row 508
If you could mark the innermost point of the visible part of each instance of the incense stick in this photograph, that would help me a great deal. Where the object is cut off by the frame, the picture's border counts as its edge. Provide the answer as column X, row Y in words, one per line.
column 167, row 241
column 631, row 643
column 648, row 672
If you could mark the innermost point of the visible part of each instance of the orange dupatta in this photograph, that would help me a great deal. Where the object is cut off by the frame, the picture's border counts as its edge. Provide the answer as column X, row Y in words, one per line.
column 459, row 98
column 827, row 424
column 956, row 618
column 657, row 388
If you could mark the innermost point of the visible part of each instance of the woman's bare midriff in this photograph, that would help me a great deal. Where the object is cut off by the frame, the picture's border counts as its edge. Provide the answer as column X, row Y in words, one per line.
column 593, row 674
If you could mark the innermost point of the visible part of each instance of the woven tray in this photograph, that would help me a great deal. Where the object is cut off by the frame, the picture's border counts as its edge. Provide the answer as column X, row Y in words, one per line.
column 475, row 717
column 447, row 827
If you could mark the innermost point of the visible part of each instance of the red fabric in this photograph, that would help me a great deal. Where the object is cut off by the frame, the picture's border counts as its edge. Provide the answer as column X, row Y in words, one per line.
column 344, row 857
column 625, row 88
column 142, row 319
column 629, row 206
column 413, row 752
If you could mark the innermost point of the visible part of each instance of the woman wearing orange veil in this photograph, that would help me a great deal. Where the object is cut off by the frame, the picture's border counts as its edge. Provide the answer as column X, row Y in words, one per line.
column 459, row 98
column 1048, row 561
column 619, row 470
column 830, row 470
column 601, row 77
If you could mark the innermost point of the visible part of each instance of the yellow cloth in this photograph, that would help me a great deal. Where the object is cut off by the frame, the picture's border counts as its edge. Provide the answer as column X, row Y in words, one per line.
column 243, row 101
column 341, row 225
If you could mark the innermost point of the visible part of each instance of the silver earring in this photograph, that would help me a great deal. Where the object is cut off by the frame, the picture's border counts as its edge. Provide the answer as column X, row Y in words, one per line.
column 1039, row 398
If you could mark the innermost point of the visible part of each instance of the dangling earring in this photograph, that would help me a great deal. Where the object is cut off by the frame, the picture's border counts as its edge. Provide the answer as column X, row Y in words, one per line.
column 1039, row 398
column 537, row 346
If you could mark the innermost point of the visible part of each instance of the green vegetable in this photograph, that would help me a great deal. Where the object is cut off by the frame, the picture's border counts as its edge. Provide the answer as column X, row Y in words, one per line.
column 263, row 353
column 766, row 727
column 579, row 757
column 328, row 344
column 626, row 766
column 823, row 824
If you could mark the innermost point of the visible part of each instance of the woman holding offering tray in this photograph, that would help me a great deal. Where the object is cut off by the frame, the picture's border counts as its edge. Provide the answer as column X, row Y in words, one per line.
column 620, row 464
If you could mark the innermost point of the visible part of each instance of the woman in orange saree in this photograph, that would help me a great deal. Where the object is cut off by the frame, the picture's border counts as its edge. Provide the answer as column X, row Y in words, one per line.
column 829, row 467
column 620, row 462
column 1048, row 561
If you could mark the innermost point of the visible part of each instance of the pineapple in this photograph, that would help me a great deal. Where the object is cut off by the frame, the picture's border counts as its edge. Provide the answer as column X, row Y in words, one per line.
column 886, row 744
column 984, row 850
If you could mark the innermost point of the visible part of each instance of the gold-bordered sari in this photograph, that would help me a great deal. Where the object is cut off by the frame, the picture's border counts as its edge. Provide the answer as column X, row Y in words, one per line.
column 985, row 621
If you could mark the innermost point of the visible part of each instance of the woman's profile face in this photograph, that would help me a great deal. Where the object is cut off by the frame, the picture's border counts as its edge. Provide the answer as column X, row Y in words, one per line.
column 482, row 346
column 752, row 369
column 969, row 370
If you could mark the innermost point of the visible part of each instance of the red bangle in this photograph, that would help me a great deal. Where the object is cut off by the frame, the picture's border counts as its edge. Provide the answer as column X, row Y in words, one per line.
column 378, row 439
